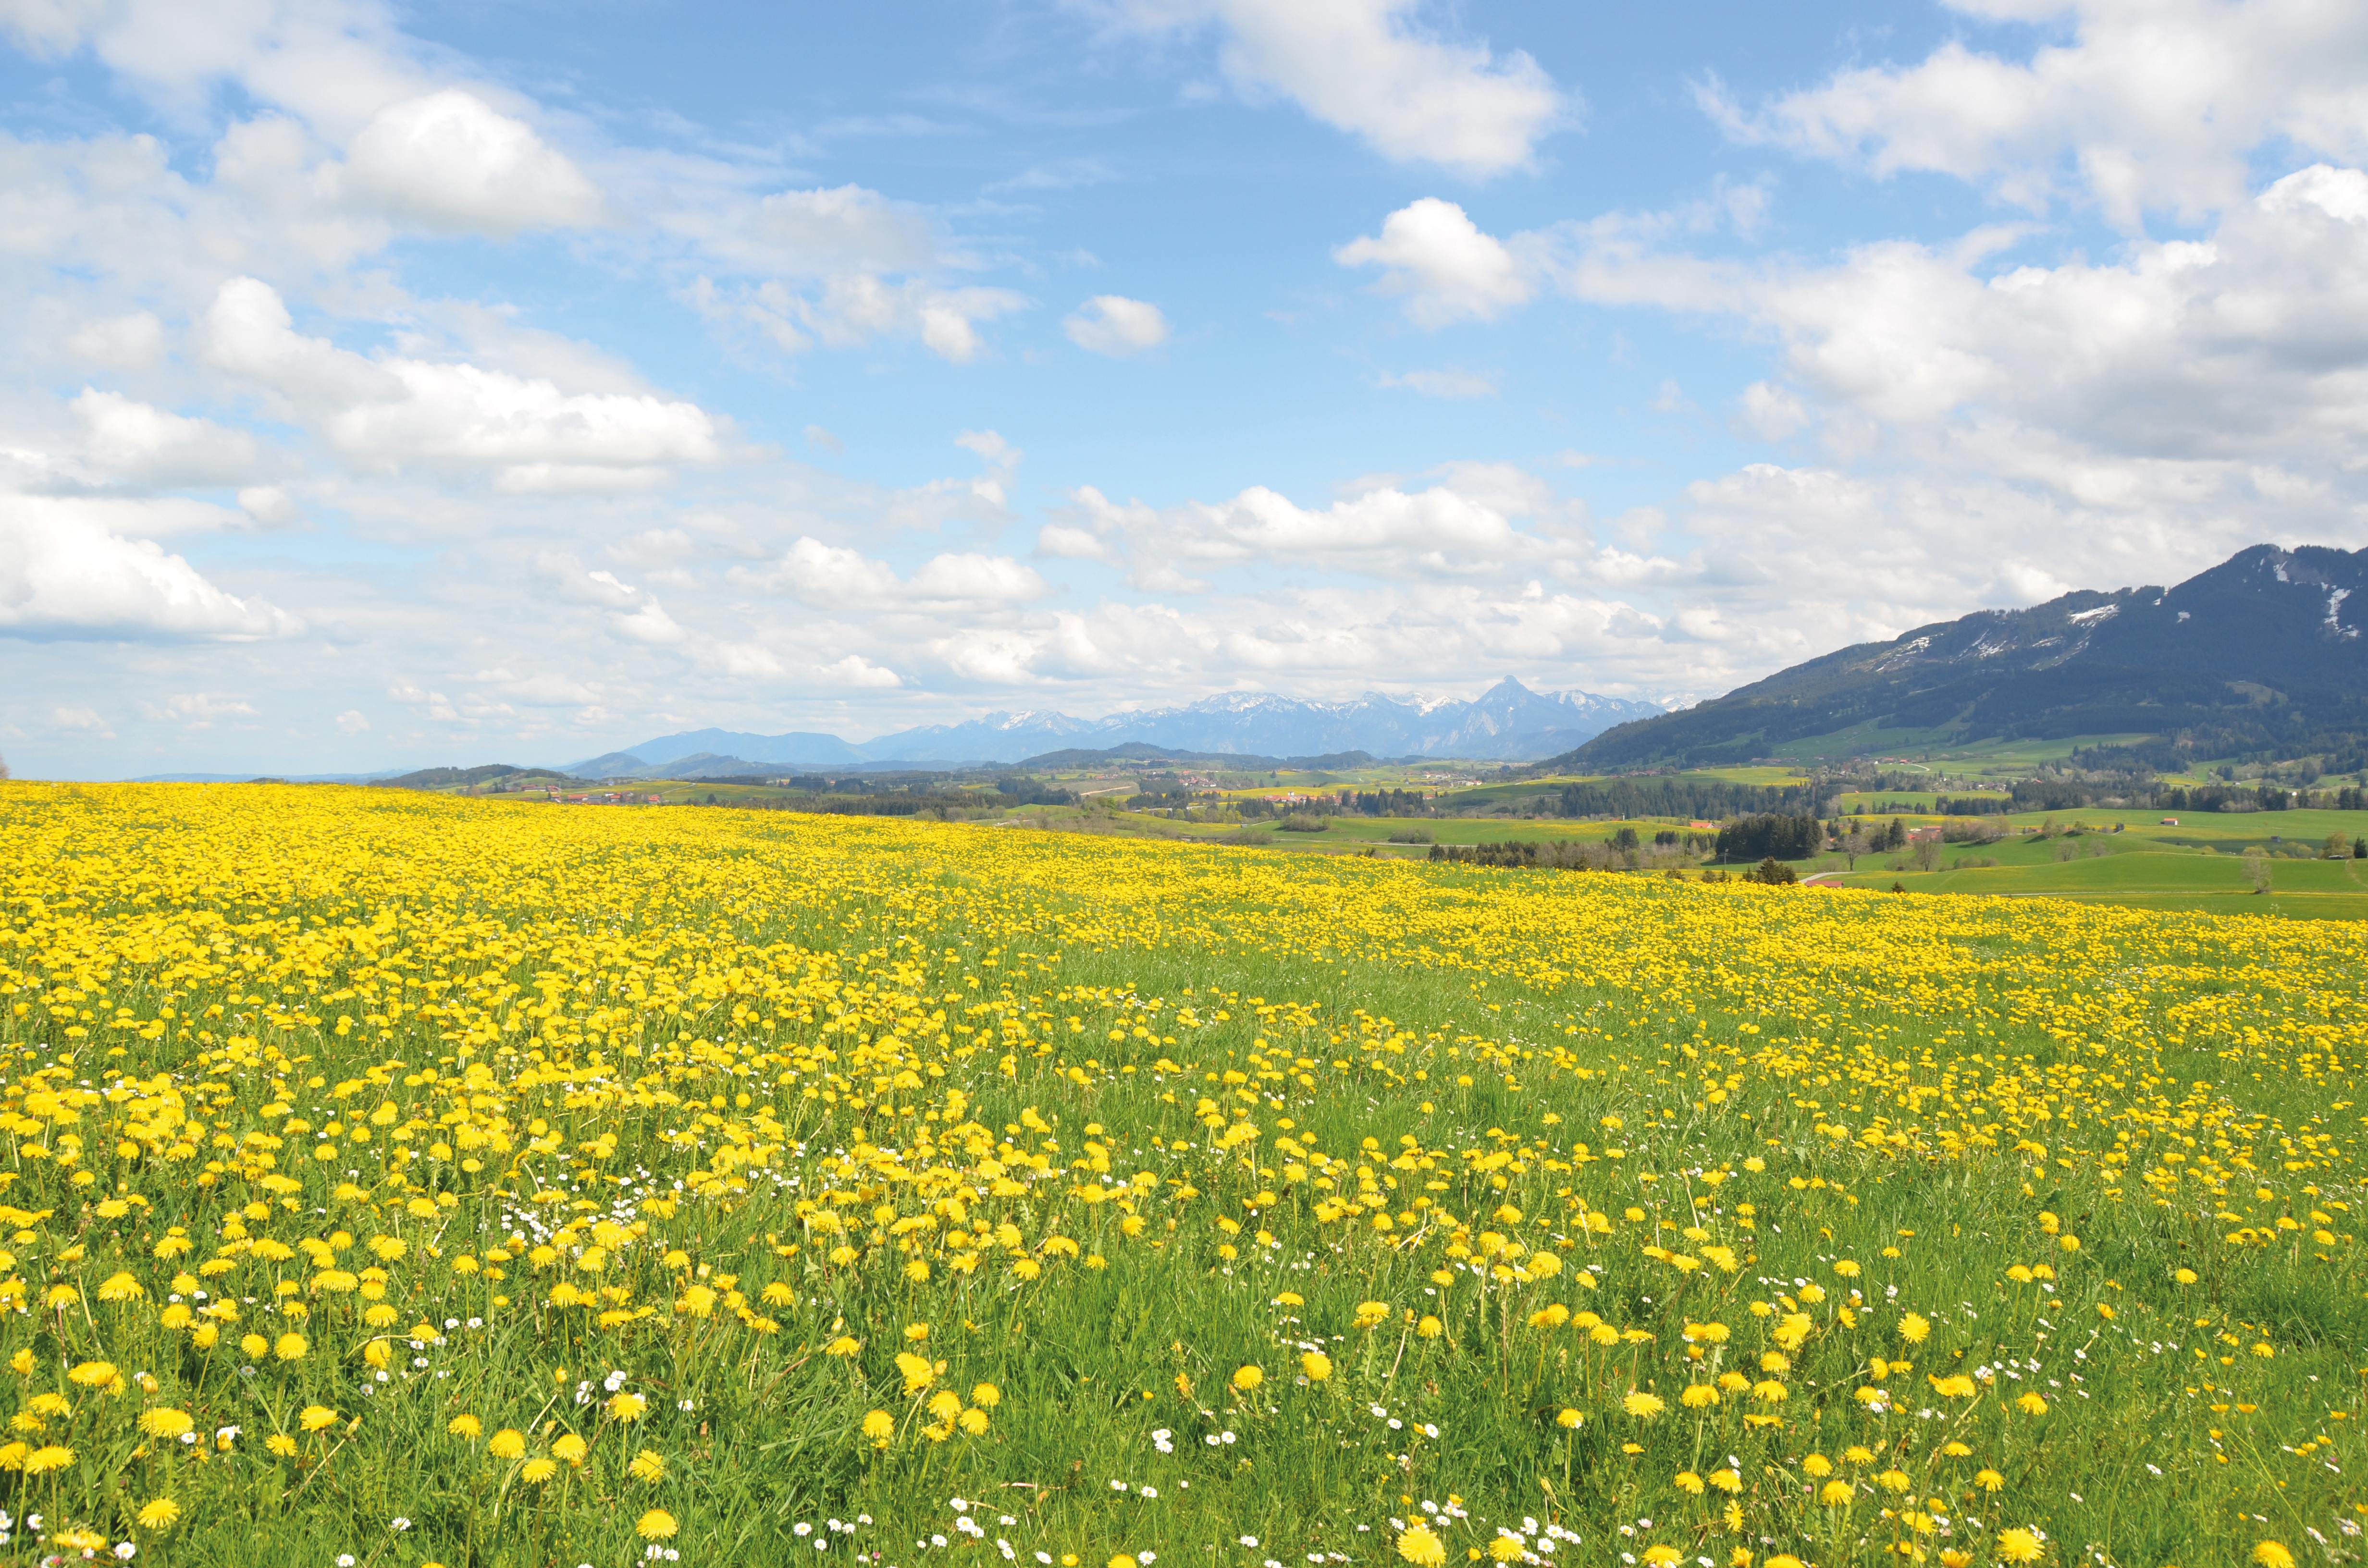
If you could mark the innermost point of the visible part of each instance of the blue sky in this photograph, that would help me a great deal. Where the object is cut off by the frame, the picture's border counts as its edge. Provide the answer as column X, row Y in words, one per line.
column 404, row 385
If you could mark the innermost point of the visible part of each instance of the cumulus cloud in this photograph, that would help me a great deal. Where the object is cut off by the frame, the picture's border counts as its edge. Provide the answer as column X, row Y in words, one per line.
column 1447, row 529
column 133, row 443
column 832, row 577
column 395, row 410
column 2148, row 106
column 1373, row 69
column 448, row 160
column 65, row 576
column 1435, row 258
column 1115, row 325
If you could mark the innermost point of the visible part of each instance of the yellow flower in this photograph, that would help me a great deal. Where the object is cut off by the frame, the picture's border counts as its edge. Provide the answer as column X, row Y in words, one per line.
column 1782, row 1560
column 166, row 1423
column 2019, row 1545
column 1914, row 1327
column 290, row 1347
column 1369, row 1315
column 1688, row 1482
column 987, row 1396
column 627, row 1406
column 1568, row 1417
column 1430, row 1327
column 2031, row 1404
column 159, row 1514
column 1247, row 1378
column 845, row 1345
column 1421, row 1548
column 507, row 1444
column 917, row 1370
column 2270, row 1555
column 317, row 1418
column 1662, row 1556
column 92, row 1374
column 1643, row 1405
column 535, row 1471
column 464, row 1426
column 1989, row 1480
column 1507, row 1549
column 647, row 1466
column 655, row 1525
column 879, row 1427
column 1698, row 1396
column 1317, row 1365
column 1817, row 1465
column 571, row 1449
column 280, row 1443
column 975, row 1422
column 1834, row 1494
column 41, row 1460
column 2184, row 1276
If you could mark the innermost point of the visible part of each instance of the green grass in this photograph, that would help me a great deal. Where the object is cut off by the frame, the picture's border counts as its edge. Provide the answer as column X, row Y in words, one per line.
column 1707, row 1105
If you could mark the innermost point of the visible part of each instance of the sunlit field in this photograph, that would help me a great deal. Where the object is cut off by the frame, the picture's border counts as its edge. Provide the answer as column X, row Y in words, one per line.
column 399, row 1179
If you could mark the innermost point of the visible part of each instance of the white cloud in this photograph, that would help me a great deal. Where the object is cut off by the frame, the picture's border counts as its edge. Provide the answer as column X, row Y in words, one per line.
column 85, row 720
column 197, row 709
column 395, row 410
column 1073, row 544
column 1460, row 527
column 64, row 576
column 830, row 577
column 133, row 342
column 847, row 229
column 352, row 722
column 1442, row 383
column 2150, row 105
column 1373, row 69
column 1771, row 412
column 1437, row 259
column 854, row 308
column 448, row 160
column 1116, row 325
column 855, row 670
column 131, row 442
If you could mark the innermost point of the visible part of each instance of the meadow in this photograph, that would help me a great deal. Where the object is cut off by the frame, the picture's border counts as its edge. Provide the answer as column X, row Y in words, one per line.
column 400, row 1179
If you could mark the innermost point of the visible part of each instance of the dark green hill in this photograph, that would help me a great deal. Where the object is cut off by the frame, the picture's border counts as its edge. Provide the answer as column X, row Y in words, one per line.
column 2261, row 655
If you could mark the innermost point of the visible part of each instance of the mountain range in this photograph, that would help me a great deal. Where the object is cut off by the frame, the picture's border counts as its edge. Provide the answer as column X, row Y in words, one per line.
column 2261, row 653
column 1508, row 723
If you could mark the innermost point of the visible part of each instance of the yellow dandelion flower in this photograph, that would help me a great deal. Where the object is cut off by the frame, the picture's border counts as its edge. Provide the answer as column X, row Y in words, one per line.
column 1643, row 1405
column 1507, row 1549
column 166, row 1423
column 1834, row 1494
column 509, row 1443
column 571, row 1449
column 987, row 1396
column 879, row 1427
column 464, row 1426
column 317, row 1418
column 1247, row 1378
column 655, row 1525
column 2272, row 1554
column 2019, row 1545
column 647, row 1466
column 291, row 1347
column 1690, row 1484
column 535, row 1471
column 1317, row 1365
column 159, row 1514
column 92, row 1374
column 1418, row 1546
column 52, row 1456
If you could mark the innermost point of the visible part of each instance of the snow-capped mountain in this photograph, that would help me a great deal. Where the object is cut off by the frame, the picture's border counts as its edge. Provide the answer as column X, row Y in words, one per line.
column 1508, row 723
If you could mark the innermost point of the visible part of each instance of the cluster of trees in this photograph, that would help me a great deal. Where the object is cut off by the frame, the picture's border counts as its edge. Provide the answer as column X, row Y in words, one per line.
column 1781, row 835
column 1024, row 791
column 1972, row 805
column 1529, row 855
column 1705, row 797
column 1385, row 803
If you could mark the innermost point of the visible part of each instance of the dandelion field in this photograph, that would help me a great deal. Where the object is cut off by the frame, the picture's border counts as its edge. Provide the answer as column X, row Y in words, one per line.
column 395, row 1179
